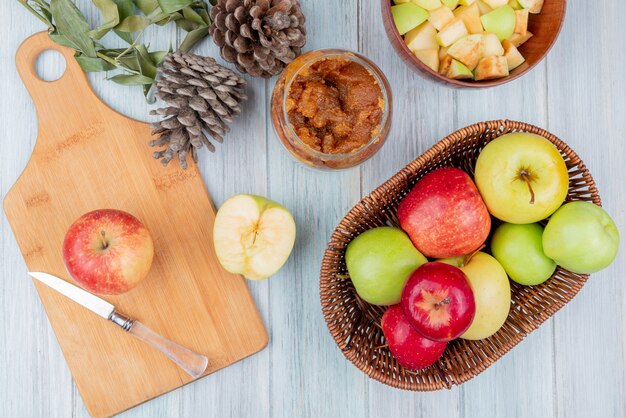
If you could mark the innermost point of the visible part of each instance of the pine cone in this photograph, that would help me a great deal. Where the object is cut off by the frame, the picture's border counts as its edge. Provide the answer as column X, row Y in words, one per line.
column 202, row 97
column 259, row 36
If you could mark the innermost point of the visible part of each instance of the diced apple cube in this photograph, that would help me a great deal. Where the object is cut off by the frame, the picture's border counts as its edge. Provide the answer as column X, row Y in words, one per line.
column 466, row 2
column 443, row 51
column 467, row 50
column 407, row 16
column 521, row 21
column 515, row 5
column 470, row 15
column 458, row 71
column 494, row 4
column 484, row 8
column 451, row 3
column 422, row 37
column 428, row 4
column 444, row 64
column 517, row 39
column 491, row 45
column 491, row 67
column 430, row 57
column 513, row 57
column 452, row 32
column 533, row 6
column 440, row 17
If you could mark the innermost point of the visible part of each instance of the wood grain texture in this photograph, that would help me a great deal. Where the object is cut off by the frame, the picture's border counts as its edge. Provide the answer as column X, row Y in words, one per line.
column 88, row 157
column 573, row 366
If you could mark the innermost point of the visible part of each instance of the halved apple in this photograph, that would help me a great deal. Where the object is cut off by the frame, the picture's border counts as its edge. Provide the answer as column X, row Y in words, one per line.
column 407, row 16
column 452, row 32
column 491, row 67
column 468, row 50
column 422, row 37
column 440, row 17
column 430, row 57
column 253, row 236
column 533, row 6
column 513, row 57
column 500, row 21
column 470, row 15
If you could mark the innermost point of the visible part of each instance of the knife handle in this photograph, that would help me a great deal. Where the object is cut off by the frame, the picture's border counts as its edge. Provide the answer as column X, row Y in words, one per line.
column 193, row 363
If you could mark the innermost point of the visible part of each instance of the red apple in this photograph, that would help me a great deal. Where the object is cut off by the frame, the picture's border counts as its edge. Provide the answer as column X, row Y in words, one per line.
column 438, row 301
column 108, row 251
column 444, row 214
column 411, row 349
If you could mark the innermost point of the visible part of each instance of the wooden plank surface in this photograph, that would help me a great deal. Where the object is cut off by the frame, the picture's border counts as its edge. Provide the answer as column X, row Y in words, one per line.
column 574, row 366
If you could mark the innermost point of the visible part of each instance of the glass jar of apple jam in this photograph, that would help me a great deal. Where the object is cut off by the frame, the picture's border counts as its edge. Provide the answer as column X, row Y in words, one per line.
column 332, row 109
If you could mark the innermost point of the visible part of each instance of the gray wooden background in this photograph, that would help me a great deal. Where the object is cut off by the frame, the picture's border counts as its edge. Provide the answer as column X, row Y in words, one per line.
column 573, row 366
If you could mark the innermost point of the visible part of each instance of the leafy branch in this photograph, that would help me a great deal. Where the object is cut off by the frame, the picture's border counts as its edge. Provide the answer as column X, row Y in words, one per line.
column 128, row 19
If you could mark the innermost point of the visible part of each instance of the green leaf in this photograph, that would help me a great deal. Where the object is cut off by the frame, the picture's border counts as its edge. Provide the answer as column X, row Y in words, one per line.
column 133, row 24
column 110, row 16
column 132, row 79
column 125, row 8
column 157, row 57
column 193, row 37
column 171, row 6
column 126, row 36
column 146, row 6
column 61, row 40
column 146, row 66
column 93, row 65
column 71, row 23
column 186, row 25
column 192, row 16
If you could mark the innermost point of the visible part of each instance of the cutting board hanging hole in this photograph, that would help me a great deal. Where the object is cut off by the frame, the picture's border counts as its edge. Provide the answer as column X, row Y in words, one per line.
column 50, row 65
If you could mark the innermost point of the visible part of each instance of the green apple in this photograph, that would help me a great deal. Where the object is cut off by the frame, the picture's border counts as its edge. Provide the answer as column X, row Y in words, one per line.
column 581, row 237
column 500, row 21
column 492, row 293
column 407, row 16
column 379, row 262
column 520, row 251
column 253, row 236
column 522, row 177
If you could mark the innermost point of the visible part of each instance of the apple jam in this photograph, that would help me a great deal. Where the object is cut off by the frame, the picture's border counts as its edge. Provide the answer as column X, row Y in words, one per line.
column 331, row 109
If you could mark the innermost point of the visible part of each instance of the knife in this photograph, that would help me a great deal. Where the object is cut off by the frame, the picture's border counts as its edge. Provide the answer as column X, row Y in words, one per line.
column 193, row 363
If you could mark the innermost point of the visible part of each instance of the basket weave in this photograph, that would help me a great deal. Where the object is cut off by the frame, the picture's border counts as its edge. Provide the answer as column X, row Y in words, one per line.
column 354, row 324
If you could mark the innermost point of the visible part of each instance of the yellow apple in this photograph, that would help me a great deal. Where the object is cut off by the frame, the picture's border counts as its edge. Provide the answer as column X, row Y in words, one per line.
column 492, row 293
column 522, row 177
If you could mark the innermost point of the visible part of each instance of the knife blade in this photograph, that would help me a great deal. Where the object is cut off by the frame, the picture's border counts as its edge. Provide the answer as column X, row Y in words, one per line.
column 192, row 363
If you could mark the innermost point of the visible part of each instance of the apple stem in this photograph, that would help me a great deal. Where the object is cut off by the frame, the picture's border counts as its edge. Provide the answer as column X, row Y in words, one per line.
column 470, row 256
column 442, row 302
column 526, row 177
column 105, row 244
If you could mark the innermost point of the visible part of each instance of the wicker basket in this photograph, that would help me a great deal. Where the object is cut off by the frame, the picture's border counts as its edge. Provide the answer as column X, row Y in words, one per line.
column 354, row 324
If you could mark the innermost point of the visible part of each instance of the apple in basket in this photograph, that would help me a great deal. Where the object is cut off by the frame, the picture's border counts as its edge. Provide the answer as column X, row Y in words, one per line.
column 108, row 251
column 411, row 349
column 444, row 215
column 438, row 301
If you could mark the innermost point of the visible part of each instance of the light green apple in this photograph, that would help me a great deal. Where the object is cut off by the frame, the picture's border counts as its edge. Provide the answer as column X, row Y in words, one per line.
column 253, row 236
column 500, row 21
column 581, row 237
column 379, row 262
column 492, row 293
column 407, row 16
column 521, row 177
column 519, row 249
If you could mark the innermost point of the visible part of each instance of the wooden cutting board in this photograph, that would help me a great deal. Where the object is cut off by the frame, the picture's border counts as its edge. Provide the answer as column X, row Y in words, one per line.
column 88, row 157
